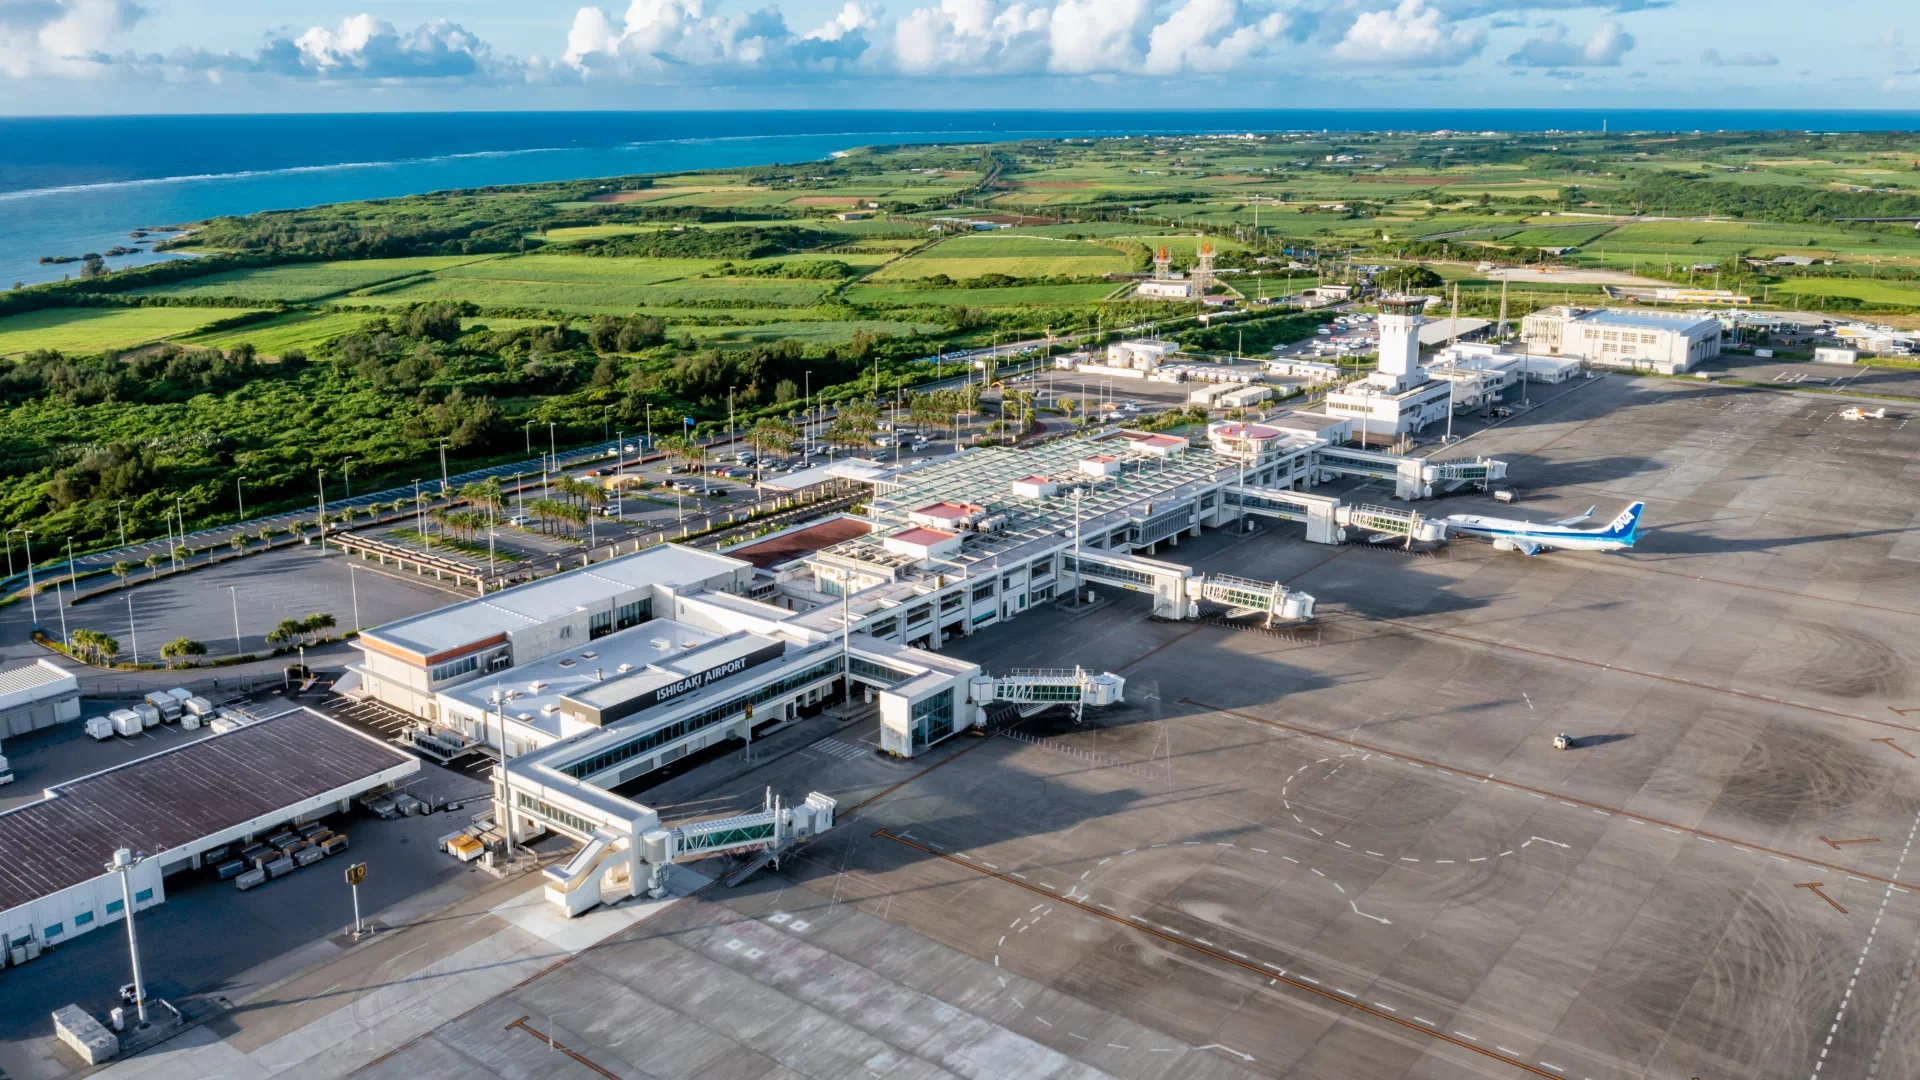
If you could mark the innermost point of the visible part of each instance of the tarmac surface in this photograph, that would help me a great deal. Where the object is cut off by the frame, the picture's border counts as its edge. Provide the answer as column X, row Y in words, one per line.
column 1349, row 849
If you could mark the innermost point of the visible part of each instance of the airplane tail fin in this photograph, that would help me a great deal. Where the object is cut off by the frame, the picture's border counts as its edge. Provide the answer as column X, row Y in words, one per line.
column 1627, row 525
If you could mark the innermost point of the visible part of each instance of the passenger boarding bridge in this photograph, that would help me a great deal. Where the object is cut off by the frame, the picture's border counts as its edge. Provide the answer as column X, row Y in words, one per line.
column 1413, row 478
column 1327, row 519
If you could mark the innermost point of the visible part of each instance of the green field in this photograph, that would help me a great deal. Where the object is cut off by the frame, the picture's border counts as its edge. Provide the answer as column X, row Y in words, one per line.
column 304, row 330
column 1867, row 289
column 1016, row 256
column 308, row 281
column 817, row 332
column 902, row 296
column 93, row 330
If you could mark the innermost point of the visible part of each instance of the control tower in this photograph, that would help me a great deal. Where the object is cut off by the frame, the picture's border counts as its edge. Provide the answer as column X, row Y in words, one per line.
column 1400, row 322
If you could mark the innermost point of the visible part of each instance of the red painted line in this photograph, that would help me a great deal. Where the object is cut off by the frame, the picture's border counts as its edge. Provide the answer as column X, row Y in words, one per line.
column 1264, row 973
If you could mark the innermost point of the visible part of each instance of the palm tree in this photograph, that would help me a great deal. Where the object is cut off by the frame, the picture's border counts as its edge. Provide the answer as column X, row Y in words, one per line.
column 285, row 632
column 121, row 570
column 772, row 435
column 238, row 541
column 95, row 646
column 181, row 648
column 265, row 534
column 317, row 623
column 153, row 565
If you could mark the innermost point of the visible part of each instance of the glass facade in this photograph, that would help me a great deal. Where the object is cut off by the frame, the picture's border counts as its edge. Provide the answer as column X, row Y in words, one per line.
column 932, row 718
column 554, row 814
column 632, row 614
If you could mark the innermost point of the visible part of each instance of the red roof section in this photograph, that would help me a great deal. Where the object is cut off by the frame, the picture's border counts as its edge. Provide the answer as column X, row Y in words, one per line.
column 923, row 536
column 789, row 546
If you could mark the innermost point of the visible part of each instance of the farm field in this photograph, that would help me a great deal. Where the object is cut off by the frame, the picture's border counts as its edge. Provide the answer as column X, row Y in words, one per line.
column 903, row 296
column 1867, row 289
column 816, row 332
column 1016, row 256
column 93, row 330
column 308, row 281
column 304, row 330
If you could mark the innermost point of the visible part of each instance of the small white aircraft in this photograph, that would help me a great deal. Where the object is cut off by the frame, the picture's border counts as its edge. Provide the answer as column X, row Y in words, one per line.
column 1530, row 538
column 1855, row 412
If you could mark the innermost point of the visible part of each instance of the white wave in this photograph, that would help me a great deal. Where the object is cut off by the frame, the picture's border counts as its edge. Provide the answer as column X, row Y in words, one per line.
column 245, row 174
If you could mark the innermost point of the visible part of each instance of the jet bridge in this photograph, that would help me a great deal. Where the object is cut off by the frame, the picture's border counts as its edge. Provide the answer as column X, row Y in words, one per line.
column 1171, row 584
column 1327, row 519
column 1241, row 595
column 1038, row 689
column 1317, row 512
column 1413, row 478
column 610, row 867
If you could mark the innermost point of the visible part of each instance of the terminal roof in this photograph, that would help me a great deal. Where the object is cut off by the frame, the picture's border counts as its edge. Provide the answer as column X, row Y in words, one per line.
column 537, row 602
column 174, row 798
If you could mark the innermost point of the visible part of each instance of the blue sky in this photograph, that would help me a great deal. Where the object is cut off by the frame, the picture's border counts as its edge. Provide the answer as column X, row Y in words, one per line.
column 144, row 56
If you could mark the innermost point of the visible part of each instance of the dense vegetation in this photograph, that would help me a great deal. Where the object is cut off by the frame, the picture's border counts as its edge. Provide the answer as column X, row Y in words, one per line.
column 365, row 336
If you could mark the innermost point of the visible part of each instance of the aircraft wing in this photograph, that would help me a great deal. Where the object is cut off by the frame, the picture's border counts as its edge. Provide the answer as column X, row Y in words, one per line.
column 1526, row 547
column 1575, row 519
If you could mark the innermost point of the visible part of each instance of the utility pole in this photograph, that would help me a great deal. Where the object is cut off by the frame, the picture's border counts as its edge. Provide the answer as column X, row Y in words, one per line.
column 239, row 497
column 806, row 426
column 346, row 483
column 235, row 597
column 446, row 485
column 26, row 536
column 122, row 519
column 123, row 863
column 132, row 634
column 320, row 519
column 551, row 452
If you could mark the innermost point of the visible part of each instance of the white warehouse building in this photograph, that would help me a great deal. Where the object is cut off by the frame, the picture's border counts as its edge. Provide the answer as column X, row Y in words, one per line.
column 1668, row 342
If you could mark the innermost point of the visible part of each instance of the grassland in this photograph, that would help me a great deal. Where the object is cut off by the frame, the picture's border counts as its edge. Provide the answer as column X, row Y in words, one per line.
column 1811, row 290
column 881, row 295
column 308, row 281
column 303, row 330
column 93, row 330
column 1014, row 255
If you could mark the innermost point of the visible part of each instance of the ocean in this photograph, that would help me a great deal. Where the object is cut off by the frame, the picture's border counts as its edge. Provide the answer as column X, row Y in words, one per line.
column 70, row 185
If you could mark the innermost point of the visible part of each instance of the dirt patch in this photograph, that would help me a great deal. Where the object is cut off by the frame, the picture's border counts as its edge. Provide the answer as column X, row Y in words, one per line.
column 826, row 200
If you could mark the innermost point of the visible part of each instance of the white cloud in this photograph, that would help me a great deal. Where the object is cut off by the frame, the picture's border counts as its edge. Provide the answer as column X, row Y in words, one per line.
column 1610, row 42
column 61, row 37
column 1712, row 58
column 365, row 47
column 679, row 40
column 1211, row 35
column 1410, row 35
column 1087, row 36
column 982, row 37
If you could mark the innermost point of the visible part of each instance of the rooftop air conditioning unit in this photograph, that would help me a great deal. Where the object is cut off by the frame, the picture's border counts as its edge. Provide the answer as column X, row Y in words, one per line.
column 536, row 686
column 624, row 667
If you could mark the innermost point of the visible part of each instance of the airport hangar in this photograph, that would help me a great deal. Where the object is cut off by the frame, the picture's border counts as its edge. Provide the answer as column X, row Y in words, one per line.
column 174, row 807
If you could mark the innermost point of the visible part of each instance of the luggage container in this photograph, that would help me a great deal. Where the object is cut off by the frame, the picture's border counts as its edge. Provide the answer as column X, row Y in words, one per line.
column 381, row 807
column 220, row 725
column 334, row 844
column 149, row 716
column 279, row 867
column 319, row 841
column 308, row 855
column 232, row 868
column 294, row 848
column 251, row 851
column 99, row 728
column 126, row 722
column 282, row 839
column 310, row 829
column 199, row 706
column 409, row 806
column 464, row 847
column 214, row 855
column 251, row 878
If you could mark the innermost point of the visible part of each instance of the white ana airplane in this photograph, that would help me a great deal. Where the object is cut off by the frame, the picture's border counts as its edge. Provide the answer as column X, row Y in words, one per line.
column 1530, row 538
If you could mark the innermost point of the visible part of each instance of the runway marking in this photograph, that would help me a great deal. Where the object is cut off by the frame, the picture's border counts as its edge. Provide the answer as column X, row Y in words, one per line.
column 1667, row 825
column 1814, row 886
column 1893, row 744
column 1861, row 962
column 1300, row 983
column 1835, row 844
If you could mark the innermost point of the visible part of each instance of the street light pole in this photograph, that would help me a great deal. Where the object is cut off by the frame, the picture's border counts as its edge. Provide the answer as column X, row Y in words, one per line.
column 239, row 496
column 26, row 537
column 118, row 516
column 321, row 516
column 353, row 582
column 133, row 635
column 551, row 452
column 123, row 862
column 446, row 484
column 235, row 597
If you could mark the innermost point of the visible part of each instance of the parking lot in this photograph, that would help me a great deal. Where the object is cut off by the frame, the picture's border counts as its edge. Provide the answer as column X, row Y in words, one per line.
column 1351, row 849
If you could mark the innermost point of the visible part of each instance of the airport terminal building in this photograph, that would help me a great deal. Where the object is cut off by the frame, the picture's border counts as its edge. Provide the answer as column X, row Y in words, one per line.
column 1668, row 342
